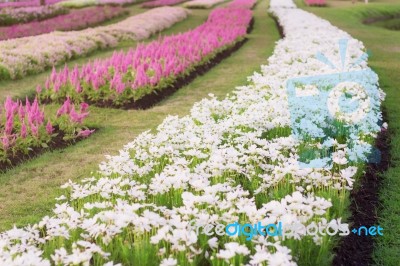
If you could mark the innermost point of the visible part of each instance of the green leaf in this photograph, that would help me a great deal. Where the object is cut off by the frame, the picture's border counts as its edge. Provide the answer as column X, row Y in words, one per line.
column 44, row 145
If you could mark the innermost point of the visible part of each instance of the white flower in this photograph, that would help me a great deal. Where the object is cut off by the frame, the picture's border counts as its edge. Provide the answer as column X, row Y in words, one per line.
column 169, row 262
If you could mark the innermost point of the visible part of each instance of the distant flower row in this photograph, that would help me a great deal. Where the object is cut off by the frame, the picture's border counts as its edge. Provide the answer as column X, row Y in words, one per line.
column 127, row 77
column 27, row 3
column 25, row 127
column 19, row 57
column 246, row 4
column 10, row 16
column 157, row 3
column 203, row 3
column 75, row 20
column 83, row 3
column 315, row 2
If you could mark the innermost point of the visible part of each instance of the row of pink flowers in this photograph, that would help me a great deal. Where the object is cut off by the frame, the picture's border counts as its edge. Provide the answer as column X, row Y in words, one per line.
column 157, row 3
column 10, row 16
column 116, row 2
column 23, row 56
column 28, row 3
column 75, row 20
column 24, row 126
column 315, row 2
column 126, row 77
column 245, row 4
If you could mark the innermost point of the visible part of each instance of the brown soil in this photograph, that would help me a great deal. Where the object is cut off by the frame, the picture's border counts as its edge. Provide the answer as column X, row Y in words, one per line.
column 355, row 250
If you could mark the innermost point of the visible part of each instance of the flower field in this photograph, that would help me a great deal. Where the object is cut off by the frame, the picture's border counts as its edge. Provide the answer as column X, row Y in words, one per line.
column 75, row 20
column 289, row 158
column 10, row 16
column 84, row 3
column 127, row 77
column 31, row 3
column 18, row 57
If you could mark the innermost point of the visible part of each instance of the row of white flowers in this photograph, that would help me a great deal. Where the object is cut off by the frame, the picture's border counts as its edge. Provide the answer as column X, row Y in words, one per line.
column 19, row 57
column 228, row 161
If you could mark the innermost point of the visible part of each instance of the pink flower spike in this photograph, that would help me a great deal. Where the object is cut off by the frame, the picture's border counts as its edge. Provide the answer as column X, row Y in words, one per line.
column 49, row 128
column 78, row 88
column 77, row 118
column 23, row 131
column 34, row 130
column 5, row 142
column 84, row 107
column 85, row 133
column 38, row 89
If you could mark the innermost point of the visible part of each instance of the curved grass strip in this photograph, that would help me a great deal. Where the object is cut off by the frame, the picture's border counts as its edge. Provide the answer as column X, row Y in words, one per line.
column 21, row 57
column 203, row 3
column 75, row 20
column 84, row 3
column 10, row 16
column 158, row 3
column 127, row 77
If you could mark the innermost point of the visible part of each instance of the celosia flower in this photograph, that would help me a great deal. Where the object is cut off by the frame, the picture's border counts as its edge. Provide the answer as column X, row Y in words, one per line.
column 85, row 133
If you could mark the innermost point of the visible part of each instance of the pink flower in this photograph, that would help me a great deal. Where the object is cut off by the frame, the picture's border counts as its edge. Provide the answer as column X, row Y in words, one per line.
column 85, row 133
column 9, row 125
column 5, row 142
column 23, row 131
column 34, row 130
column 77, row 118
column 84, row 107
column 38, row 89
column 49, row 128
column 78, row 88
column 65, row 108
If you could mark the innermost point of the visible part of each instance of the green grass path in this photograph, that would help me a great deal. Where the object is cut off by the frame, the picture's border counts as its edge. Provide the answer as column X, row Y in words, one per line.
column 27, row 192
column 385, row 60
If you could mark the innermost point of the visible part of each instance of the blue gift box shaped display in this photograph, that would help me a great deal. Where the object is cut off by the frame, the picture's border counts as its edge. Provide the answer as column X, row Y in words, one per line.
column 313, row 123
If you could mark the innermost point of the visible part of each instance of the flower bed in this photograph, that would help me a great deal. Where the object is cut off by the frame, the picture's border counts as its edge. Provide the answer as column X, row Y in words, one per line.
column 157, row 3
column 20, row 57
column 203, row 3
column 27, row 3
column 230, row 160
column 246, row 4
column 75, row 20
column 26, row 130
column 10, row 16
column 315, row 2
column 126, row 78
column 83, row 3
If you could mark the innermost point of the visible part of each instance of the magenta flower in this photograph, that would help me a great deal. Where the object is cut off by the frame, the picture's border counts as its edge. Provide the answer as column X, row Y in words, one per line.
column 23, row 131
column 77, row 118
column 85, row 133
column 84, row 107
column 5, row 142
column 49, row 128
